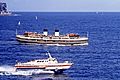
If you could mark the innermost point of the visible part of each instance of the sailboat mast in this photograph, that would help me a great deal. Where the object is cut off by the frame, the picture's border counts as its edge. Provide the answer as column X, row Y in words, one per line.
column 18, row 26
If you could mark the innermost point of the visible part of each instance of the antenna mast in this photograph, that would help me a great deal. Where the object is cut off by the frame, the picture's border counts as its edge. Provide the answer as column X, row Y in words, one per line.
column 49, row 55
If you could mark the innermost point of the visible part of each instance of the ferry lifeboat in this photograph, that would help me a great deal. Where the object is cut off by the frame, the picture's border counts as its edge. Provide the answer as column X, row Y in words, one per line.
column 49, row 64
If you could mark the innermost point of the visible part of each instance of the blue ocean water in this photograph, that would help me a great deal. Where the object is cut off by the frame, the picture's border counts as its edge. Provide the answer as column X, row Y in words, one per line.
column 100, row 60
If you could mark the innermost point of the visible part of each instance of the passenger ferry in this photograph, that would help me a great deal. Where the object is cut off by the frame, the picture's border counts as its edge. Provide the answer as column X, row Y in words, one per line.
column 49, row 64
column 55, row 39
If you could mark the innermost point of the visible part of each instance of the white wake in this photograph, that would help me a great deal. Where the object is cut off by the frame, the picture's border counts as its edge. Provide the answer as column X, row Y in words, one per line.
column 10, row 70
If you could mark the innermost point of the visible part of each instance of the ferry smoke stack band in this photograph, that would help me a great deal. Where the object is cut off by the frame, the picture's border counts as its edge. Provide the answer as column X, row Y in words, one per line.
column 56, row 32
column 45, row 32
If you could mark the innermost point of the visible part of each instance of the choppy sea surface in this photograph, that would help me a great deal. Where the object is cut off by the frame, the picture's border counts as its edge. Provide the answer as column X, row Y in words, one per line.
column 100, row 60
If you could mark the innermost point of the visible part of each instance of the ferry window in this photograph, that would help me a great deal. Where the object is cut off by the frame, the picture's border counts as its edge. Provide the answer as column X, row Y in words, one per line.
column 38, row 61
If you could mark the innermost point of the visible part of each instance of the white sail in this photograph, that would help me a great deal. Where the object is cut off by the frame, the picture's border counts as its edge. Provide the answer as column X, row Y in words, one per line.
column 36, row 17
column 19, row 23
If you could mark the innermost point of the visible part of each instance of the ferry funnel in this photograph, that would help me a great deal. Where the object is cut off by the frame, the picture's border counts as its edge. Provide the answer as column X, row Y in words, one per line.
column 56, row 32
column 45, row 32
